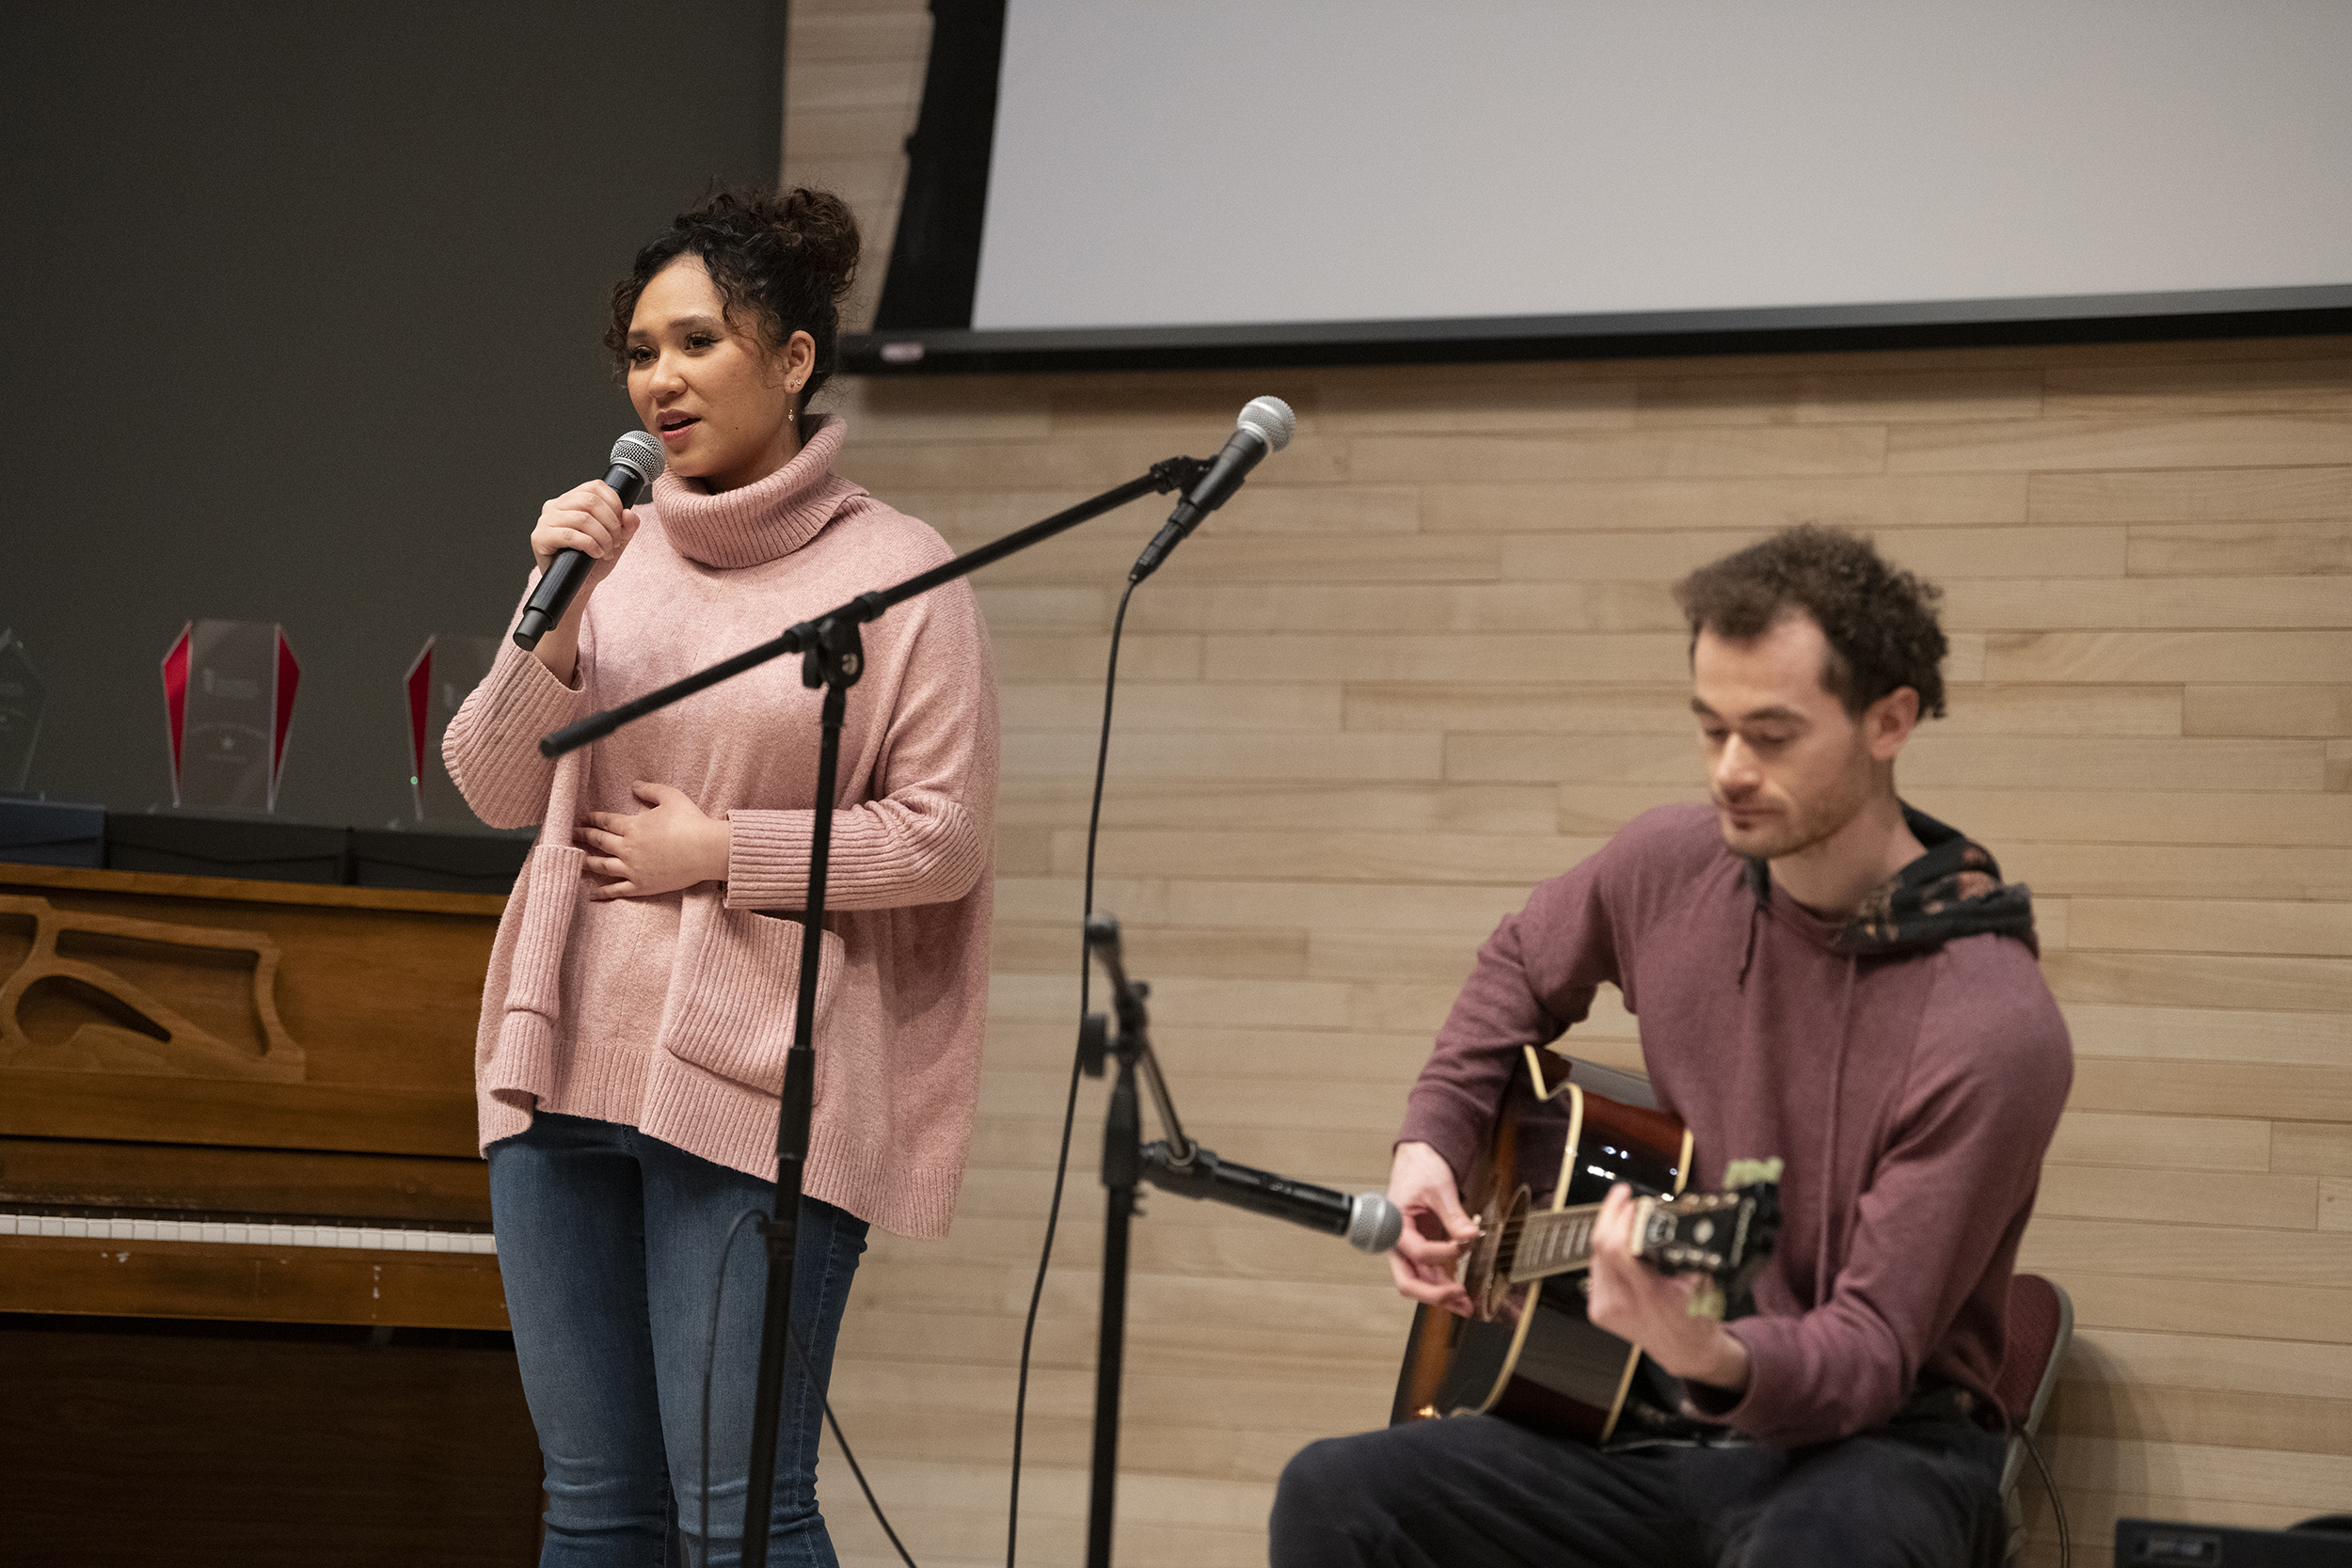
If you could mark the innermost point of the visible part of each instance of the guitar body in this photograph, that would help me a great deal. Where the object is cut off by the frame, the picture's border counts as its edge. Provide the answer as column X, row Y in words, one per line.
column 1530, row 1354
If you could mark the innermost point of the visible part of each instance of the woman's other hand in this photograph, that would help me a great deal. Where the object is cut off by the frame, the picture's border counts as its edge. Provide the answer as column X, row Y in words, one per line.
column 590, row 518
column 668, row 846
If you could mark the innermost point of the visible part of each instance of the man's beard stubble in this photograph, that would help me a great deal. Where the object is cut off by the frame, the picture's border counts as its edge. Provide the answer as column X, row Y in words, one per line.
column 1794, row 824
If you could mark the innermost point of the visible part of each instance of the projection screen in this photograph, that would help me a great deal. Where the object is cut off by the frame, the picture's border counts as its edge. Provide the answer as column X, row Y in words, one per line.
column 1221, row 182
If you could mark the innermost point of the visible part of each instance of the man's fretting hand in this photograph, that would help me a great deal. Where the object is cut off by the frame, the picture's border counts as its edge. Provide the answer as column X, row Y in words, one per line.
column 1421, row 1185
column 671, row 846
column 1635, row 1302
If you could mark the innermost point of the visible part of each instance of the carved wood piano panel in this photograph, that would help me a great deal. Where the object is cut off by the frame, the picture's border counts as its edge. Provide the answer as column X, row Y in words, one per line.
column 242, row 1100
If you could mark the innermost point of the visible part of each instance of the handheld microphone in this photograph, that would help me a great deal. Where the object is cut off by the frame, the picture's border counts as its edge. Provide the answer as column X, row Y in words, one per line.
column 1266, row 426
column 1370, row 1222
column 636, row 462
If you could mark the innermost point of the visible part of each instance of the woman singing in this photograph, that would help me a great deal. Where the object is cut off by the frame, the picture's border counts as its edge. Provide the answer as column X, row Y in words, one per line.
column 641, row 993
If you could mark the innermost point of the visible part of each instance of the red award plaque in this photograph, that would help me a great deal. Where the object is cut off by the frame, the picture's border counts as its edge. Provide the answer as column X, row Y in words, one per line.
column 228, row 703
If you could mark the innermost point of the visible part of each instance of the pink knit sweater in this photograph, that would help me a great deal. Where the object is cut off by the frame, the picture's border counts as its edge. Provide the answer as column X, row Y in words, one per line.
column 673, row 1014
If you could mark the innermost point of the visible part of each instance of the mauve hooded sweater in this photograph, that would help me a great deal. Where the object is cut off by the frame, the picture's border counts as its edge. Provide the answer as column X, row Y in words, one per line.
column 673, row 1014
column 1912, row 1091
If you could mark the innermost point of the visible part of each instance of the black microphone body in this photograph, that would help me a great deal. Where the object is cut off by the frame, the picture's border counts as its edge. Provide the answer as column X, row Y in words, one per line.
column 562, row 581
column 1364, row 1220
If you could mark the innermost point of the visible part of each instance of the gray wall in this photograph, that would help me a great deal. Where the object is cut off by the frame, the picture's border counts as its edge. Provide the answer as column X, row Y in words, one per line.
column 303, row 314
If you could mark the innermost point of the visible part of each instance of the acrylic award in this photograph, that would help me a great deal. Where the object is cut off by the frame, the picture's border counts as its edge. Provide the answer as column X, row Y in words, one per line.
column 229, row 695
column 445, row 672
column 21, row 702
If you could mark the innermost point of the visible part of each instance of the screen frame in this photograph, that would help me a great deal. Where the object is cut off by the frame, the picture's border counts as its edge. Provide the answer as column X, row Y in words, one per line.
column 923, row 323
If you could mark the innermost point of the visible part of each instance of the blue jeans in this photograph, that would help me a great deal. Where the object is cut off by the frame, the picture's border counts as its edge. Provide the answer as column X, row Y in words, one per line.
column 609, row 1245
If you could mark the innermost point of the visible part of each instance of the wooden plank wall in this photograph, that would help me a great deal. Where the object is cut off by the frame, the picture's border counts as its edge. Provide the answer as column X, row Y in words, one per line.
column 1428, row 658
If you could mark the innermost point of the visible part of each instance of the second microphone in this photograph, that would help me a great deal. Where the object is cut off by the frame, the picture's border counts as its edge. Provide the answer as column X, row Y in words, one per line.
column 1370, row 1222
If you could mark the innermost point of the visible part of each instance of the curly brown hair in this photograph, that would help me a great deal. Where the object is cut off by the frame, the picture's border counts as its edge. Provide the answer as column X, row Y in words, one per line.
column 1880, row 622
column 784, row 261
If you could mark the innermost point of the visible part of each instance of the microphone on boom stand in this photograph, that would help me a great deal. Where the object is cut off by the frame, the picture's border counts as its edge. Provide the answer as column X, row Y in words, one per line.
column 1177, row 1165
column 1369, row 1221
column 1266, row 426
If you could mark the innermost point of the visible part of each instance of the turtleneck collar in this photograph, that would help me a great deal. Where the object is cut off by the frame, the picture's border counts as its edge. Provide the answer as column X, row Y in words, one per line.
column 759, row 522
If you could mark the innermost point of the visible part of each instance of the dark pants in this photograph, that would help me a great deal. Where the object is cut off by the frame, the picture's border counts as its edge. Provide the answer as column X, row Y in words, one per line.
column 1922, row 1492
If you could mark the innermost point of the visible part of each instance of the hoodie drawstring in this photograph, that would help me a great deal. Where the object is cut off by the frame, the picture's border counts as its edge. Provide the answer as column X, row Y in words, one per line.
column 1829, row 1135
column 1759, row 878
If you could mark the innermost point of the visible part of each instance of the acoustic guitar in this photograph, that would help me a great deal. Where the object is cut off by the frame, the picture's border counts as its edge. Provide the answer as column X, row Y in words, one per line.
column 1527, row 1352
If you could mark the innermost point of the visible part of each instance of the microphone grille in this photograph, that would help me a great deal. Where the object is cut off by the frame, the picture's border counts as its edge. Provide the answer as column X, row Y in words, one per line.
column 640, row 454
column 1373, row 1224
column 1272, row 419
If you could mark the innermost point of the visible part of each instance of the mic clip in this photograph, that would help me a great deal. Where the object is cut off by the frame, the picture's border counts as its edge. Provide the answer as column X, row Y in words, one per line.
column 1178, row 473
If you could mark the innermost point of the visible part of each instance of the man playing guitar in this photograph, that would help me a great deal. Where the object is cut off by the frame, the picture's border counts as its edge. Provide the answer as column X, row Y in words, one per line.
column 1820, row 975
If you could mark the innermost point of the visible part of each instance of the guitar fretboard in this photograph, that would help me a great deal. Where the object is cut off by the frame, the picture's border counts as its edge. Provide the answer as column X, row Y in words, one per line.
column 1553, row 1242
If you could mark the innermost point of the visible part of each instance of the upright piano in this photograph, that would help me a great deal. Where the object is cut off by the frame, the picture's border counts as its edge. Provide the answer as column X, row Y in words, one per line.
column 249, row 1301
column 233, row 1099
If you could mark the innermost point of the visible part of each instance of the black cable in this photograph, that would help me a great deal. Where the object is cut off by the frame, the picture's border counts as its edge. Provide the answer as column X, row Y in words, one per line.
column 711, row 1356
column 2057, row 1509
column 1070, row 1104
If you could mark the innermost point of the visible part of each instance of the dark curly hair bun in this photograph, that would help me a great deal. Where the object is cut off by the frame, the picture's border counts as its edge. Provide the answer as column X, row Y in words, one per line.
column 783, row 260
column 1880, row 622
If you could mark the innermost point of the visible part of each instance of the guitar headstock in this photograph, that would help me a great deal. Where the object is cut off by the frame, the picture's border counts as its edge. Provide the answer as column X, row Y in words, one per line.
column 1724, row 1235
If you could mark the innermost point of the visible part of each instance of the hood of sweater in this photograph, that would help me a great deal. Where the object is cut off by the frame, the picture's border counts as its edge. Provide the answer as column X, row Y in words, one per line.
column 1953, row 890
column 759, row 522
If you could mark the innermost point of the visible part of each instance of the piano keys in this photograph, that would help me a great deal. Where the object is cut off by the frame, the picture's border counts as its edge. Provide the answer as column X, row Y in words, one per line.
column 225, row 1232
column 260, row 1092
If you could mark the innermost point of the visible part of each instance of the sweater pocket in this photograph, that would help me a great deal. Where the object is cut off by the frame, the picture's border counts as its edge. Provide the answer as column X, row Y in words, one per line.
column 735, row 988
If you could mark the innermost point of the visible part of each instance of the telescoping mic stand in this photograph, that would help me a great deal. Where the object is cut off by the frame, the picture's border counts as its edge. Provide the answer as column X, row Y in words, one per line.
column 832, row 656
column 1176, row 1164
column 1123, row 1169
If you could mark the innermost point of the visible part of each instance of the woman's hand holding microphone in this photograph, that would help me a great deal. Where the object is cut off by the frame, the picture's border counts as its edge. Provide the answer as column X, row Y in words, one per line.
column 589, row 518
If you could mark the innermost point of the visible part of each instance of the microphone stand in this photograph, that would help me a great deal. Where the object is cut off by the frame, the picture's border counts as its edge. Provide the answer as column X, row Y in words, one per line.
column 832, row 656
column 1122, row 1170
